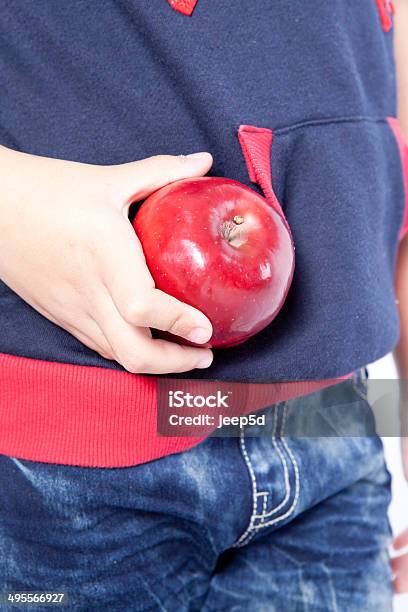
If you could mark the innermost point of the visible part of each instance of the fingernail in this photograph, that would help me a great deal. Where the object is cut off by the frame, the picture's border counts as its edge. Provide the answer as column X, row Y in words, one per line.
column 199, row 335
column 205, row 362
column 201, row 155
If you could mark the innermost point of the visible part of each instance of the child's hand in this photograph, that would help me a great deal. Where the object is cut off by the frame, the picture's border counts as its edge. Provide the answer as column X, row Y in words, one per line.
column 68, row 249
column 400, row 564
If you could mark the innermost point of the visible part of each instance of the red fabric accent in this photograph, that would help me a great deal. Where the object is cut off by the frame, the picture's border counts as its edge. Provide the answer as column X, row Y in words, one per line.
column 403, row 149
column 95, row 417
column 256, row 144
column 385, row 8
column 186, row 7
column 61, row 413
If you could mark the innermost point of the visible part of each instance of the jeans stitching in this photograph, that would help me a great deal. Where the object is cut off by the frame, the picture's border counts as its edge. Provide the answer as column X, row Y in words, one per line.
column 282, row 458
column 248, row 533
column 297, row 493
column 291, row 510
column 264, row 504
column 252, row 527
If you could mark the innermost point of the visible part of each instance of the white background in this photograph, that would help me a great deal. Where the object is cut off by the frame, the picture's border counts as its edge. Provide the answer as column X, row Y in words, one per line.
column 399, row 507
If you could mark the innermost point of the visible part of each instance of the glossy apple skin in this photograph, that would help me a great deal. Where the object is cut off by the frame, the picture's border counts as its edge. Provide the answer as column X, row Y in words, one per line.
column 238, row 273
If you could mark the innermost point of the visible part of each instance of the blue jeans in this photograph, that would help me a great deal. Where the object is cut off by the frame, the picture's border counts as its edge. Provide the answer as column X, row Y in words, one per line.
column 254, row 523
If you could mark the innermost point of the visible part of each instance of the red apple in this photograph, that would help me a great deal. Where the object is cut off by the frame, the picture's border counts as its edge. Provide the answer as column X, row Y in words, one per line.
column 217, row 245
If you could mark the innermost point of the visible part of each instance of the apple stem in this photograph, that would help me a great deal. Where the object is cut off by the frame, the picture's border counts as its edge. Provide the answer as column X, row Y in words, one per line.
column 232, row 232
column 238, row 220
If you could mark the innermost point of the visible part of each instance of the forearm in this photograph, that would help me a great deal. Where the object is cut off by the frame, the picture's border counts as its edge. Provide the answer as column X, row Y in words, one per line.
column 401, row 352
column 401, row 57
column 10, row 163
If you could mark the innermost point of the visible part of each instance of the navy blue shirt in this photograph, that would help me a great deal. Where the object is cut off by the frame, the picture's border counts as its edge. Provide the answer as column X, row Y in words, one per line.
column 118, row 80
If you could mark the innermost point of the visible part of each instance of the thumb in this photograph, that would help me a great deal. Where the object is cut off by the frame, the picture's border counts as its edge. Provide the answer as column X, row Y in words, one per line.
column 401, row 541
column 136, row 180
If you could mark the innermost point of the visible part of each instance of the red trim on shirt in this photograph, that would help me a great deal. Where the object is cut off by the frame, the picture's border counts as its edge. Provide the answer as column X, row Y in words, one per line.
column 386, row 9
column 186, row 7
column 96, row 417
column 256, row 144
column 403, row 149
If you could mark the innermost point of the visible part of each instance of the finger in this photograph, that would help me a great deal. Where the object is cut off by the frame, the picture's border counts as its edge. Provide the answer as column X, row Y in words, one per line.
column 400, row 584
column 400, row 564
column 131, row 287
column 139, row 353
column 162, row 357
column 401, row 540
column 161, row 311
column 85, row 330
column 136, row 180
column 93, row 337
column 404, row 450
column 101, row 346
